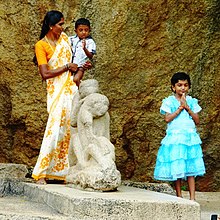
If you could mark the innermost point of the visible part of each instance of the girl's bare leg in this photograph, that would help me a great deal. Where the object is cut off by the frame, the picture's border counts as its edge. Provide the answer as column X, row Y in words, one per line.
column 178, row 188
column 191, row 185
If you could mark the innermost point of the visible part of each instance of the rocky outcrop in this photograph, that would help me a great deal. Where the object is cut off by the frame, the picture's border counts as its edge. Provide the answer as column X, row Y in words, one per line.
column 140, row 44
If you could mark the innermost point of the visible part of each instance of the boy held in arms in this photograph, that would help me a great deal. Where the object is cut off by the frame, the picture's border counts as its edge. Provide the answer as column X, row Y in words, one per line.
column 83, row 47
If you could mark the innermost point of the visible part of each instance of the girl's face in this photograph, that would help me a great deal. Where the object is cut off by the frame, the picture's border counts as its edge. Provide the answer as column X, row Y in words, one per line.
column 82, row 31
column 182, row 86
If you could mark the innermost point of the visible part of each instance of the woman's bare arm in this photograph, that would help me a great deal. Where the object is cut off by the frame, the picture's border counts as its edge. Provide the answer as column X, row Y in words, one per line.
column 46, row 73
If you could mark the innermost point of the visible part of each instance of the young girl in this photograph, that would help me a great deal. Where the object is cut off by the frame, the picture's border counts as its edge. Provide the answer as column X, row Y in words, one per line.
column 180, row 154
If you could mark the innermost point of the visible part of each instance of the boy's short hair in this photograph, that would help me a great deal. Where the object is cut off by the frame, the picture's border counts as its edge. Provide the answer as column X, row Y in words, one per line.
column 82, row 21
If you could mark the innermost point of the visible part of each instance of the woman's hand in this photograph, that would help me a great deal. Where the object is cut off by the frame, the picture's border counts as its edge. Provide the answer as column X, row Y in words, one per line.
column 73, row 67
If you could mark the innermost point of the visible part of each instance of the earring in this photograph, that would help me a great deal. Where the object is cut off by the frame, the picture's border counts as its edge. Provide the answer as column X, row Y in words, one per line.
column 51, row 28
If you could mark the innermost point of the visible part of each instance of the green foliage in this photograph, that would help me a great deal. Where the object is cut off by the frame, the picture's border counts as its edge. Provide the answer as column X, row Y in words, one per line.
column 184, row 188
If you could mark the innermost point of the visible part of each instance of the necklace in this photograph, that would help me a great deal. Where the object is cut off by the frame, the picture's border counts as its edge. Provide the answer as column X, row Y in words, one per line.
column 50, row 44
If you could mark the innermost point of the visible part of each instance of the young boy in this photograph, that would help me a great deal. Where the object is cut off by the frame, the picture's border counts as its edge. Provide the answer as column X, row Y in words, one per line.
column 83, row 47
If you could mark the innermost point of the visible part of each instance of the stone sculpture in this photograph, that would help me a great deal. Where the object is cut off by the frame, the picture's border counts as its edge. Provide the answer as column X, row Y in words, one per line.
column 95, row 167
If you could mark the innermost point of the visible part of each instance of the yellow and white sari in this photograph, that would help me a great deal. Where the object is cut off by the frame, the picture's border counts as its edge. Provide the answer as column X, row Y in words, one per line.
column 53, row 158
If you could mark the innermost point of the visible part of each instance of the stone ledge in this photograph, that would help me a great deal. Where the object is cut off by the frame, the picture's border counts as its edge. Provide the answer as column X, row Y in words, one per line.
column 13, row 171
column 156, row 187
column 6, row 216
column 128, row 203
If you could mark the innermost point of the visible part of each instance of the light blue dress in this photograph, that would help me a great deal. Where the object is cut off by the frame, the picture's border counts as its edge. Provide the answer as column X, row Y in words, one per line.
column 180, row 154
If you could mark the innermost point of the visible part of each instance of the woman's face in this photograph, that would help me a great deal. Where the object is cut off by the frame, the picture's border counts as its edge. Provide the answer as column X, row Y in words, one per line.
column 58, row 27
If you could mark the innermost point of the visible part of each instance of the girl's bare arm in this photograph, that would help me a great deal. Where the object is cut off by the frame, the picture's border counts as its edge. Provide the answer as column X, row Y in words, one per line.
column 170, row 116
column 194, row 116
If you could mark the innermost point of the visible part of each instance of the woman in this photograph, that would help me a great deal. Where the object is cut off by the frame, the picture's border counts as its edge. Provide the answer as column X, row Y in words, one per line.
column 53, row 56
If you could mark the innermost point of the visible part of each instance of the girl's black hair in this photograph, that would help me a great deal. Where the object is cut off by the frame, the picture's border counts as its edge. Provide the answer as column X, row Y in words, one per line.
column 50, row 19
column 82, row 21
column 180, row 76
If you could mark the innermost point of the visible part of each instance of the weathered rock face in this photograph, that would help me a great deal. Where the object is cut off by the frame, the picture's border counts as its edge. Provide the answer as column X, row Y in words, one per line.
column 140, row 44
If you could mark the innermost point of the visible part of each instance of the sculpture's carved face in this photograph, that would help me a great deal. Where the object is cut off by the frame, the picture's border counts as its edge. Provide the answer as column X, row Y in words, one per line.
column 97, row 104
column 88, row 87
column 99, row 108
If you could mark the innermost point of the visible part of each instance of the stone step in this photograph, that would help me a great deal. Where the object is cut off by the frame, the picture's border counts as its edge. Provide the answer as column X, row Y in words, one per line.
column 127, row 203
column 20, row 208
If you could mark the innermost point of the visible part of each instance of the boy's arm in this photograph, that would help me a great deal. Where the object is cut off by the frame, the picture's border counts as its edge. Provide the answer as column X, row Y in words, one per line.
column 88, row 53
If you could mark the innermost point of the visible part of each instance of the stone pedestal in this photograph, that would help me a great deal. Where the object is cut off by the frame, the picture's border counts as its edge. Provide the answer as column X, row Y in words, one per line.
column 127, row 203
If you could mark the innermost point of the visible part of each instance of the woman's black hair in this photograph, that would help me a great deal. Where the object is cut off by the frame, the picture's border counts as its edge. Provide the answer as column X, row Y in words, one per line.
column 180, row 76
column 50, row 19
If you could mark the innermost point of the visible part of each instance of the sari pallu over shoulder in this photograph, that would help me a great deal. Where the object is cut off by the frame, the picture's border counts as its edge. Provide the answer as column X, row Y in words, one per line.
column 55, row 86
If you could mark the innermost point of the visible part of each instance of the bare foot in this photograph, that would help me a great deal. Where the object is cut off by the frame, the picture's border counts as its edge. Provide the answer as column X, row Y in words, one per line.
column 41, row 181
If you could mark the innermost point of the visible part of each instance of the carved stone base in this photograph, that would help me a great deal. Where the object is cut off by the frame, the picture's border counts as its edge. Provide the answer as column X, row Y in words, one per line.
column 94, row 179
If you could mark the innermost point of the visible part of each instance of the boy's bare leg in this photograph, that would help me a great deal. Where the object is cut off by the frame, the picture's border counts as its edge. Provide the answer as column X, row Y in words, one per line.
column 178, row 188
column 78, row 76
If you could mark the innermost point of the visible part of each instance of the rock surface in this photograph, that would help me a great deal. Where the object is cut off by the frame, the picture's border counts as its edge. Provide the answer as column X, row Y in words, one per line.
column 140, row 44
column 17, row 171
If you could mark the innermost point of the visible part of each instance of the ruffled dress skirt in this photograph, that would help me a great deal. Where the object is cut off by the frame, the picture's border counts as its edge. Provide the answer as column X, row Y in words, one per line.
column 180, row 155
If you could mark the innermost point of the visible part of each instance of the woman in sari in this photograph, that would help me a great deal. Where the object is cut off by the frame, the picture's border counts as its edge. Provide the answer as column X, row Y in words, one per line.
column 53, row 56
